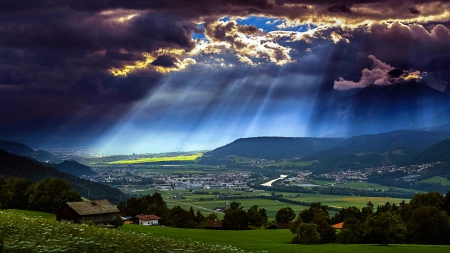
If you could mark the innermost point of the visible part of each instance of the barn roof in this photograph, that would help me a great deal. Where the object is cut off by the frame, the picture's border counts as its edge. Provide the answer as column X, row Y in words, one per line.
column 92, row 207
column 147, row 217
column 338, row 225
column 213, row 223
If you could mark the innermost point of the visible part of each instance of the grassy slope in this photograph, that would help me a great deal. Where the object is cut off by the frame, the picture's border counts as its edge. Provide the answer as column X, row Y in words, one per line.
column 436, row 179
column 274, row 241
column 47, row 216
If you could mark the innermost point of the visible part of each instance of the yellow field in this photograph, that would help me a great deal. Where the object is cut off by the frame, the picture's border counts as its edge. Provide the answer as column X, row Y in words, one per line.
column 183, row 158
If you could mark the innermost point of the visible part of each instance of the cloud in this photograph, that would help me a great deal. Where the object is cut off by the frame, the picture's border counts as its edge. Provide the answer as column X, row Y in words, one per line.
column 380, row 74
column 63, row 55
column 251, row 45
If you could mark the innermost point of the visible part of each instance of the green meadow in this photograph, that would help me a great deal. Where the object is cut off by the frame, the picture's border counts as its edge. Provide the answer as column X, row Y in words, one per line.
column 206, row 202
column 436, row 179
column 274, row 241
column 270, row 241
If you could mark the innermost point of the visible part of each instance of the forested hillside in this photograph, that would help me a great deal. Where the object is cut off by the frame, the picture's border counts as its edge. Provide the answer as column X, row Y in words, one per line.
column 23, row 150
column 275, row 148
column 18, row 166
column 439, row 152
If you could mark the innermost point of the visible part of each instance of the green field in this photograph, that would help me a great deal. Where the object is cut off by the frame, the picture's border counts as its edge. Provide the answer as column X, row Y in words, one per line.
column 272, row 206
column 274, row 241
column 361, row 186
column 436, row 179
column 290, row 163
column 181, row 158
column 270, row 241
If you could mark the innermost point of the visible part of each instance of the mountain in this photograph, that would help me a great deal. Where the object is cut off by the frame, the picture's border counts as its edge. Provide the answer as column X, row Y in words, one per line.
column 19, row 166
column 392, row 148
column 23, row 150
column 375, row 109
column 74, row 168
column 439, row 152
column 274, row 148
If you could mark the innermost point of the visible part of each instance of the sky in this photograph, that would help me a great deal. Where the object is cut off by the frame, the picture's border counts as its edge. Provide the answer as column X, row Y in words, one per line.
column 124, row 76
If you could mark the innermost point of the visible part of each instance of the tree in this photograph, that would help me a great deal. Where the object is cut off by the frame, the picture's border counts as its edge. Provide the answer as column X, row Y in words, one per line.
column 431, row 198
column 307, row 215
column 348, row 212
column 199, row 218
column 446, row 204
column 383, row 228
column 19, row 192
column 351, row 232
column 284, row 216
column 256, row 216
column 327, row 233
column 235, row 217
column 429, row 225
column 211, row 216
column 306, row 233
column 181, row 218
column 4, row 198
column 51, row 193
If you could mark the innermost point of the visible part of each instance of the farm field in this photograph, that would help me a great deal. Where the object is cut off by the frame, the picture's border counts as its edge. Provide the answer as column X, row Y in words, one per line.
column 275, row 241
column 436, row 179
column 272, row 206
column 181, row 158
column 361, row 185
column 302, row 164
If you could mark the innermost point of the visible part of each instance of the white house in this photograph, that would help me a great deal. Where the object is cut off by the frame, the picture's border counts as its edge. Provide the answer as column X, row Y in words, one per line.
column 148, row 220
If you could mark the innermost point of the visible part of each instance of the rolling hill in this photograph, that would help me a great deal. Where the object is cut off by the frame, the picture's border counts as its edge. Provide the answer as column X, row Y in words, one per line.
column 392, row 148
column 274, row 148
column 23, row 150
column 74, row 168
column 439, row 152
column 18, row 166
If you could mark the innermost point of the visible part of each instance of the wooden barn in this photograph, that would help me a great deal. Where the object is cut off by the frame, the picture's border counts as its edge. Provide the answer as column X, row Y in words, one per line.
column 101, row 212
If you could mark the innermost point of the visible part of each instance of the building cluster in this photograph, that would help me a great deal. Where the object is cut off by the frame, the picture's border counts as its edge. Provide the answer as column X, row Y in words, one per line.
column 362, row 175
column 136, row 176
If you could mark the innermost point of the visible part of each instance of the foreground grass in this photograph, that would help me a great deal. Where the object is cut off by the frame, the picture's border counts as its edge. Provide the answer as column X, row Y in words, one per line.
column 181, row 158
column 21, row 233
column 34, row 214
column 276, row 241
column 29, row 231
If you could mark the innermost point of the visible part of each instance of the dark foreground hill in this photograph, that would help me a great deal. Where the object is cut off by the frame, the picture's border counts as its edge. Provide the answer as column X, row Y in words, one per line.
column 18, row 166
column 23, row 150
column 274, row 148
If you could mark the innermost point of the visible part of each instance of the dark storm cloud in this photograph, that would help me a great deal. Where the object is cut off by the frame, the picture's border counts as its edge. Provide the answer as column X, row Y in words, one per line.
column 340, row 8
column 79, row 31
column 414, row 11
column 165, row 61
column 56, row 55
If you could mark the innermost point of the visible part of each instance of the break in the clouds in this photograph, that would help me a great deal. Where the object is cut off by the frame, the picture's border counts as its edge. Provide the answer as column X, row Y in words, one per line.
column 97, row 66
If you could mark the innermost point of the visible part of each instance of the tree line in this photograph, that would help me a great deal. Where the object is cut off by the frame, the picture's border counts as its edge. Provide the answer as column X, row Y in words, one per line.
column 45, row 195
column 424, row 220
